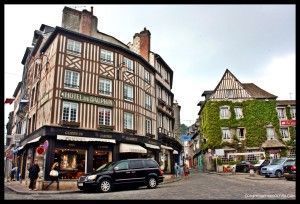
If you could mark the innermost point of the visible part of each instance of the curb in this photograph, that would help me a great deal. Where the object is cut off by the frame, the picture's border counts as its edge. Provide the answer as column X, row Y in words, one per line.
column 171, row 181
column 39, row 192
column 262, row 179
column 64, row 192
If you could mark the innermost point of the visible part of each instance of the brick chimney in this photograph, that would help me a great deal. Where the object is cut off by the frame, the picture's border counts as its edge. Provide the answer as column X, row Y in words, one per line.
column 85, row 26
column 145, row 43
column 80, row 21
column 141, row 43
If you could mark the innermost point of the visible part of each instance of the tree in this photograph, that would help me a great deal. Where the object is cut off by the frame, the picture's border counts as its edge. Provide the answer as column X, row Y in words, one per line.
column 183, row 129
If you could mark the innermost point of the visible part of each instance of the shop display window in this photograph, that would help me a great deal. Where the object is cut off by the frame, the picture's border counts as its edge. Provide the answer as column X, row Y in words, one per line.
column 71, row 162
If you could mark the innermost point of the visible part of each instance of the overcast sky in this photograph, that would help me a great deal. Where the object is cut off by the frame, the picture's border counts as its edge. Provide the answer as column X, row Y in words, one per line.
column 255, row 42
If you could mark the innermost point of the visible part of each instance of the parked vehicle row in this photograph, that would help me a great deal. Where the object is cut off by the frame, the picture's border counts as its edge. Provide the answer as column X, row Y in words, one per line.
column 276, row 167
column 270, row 168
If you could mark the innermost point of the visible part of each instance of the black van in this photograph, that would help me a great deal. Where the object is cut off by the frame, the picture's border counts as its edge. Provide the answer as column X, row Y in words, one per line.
column 137, row 172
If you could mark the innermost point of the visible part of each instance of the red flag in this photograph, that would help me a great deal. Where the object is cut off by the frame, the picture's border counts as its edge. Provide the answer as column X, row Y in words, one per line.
column 9, row 100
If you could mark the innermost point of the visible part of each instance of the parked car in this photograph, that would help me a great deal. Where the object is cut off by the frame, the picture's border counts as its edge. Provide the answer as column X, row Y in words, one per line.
column 289, row 170
column 243, row 166
column 134, row 172
column 261, row 163
column 275, row 168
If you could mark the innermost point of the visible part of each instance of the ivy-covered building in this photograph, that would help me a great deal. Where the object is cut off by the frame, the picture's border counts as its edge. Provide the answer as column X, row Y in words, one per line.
column 246, row 121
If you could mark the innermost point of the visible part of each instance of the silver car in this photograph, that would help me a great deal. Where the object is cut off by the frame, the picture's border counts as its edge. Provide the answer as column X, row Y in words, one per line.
column 275, row 168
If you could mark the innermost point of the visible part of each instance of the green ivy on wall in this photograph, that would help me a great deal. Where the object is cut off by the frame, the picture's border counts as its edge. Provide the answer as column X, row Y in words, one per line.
column 257, row 115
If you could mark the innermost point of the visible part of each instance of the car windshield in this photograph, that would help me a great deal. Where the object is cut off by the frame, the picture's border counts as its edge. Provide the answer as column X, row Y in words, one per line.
column 276, row 161
column 106, row 166
column 290, row 162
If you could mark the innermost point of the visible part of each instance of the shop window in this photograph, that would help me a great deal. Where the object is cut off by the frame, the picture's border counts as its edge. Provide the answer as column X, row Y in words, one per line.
column 72, row 162
column 100, row 157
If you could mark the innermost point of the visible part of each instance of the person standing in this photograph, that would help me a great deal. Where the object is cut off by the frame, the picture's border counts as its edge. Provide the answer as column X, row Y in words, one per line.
column 54, row 175
column 34, row 170
column 176, row 170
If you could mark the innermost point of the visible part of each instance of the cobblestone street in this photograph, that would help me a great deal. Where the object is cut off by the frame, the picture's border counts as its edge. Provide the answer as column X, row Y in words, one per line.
column 197, row 186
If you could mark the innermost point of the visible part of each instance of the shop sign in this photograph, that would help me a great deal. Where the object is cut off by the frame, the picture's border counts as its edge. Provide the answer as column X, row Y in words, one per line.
column 129, row 138
column 74, row 133
column 86, row 98
column 288, row 122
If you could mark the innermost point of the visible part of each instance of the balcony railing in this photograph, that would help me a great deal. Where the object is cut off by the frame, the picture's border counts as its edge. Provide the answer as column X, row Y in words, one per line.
column 106, row 127
column 70, row 123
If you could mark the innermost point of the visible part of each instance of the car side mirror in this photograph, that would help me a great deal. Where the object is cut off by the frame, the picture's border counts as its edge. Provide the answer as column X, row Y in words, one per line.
column 116, row 168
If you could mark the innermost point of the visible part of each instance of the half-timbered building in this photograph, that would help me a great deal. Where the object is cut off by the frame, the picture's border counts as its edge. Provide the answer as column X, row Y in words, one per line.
column 91, row 99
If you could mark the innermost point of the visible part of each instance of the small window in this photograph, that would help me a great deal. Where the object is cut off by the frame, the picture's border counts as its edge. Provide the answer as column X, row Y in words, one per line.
column 229, row 93
column 128, row 64
column 270, row 133
column 238, row 112
column 284, row 133
column 105, row 87
column 71, row 79
column 281, row 113
column 104, row 116
column 106, row 56
column 293, row 112
column 128, row 121
column 128, row 92
column 226, row 134
column 122, row 166
column 160, row 120
column 74, row 46
column 147, row 77
column 224, row 112
column 240, row 133
column 136, row 164
column 148, row 104
column 159, row 92
column 148, row 126
column 70, row 111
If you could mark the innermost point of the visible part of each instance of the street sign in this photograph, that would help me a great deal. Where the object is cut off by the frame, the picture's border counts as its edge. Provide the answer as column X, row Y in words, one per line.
column 185, row 138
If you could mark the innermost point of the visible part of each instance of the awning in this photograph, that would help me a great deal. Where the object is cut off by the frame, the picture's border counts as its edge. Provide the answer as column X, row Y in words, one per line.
column 245, row 153
column 152, row 146
column 84, row 139
column 131, row 148
column 166, row 147
column 34, row 140
column 175, row 152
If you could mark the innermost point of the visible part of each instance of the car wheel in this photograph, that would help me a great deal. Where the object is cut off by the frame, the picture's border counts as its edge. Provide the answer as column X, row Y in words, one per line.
column 152, row 183
column 105, row 186
column 278, row 173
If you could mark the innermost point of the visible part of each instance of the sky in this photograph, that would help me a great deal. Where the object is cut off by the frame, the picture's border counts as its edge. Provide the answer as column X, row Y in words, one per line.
column 199, row 42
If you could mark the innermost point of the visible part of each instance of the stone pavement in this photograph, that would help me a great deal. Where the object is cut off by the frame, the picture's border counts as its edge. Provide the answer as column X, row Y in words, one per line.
column 21, row 189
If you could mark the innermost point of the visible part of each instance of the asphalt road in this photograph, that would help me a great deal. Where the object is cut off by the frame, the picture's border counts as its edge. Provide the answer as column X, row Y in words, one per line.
column 197, row 186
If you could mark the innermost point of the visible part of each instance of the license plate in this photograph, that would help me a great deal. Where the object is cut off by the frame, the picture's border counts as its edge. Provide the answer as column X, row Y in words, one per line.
column 80, row 184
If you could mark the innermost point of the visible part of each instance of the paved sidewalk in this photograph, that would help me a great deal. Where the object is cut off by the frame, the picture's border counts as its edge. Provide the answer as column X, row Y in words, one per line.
column 21, row 189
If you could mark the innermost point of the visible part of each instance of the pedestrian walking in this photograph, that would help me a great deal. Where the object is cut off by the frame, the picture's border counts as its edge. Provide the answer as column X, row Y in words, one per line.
column 13, row 172
column 34, row 170
column 186, row 171
column 176, row 170
column 54, row 173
